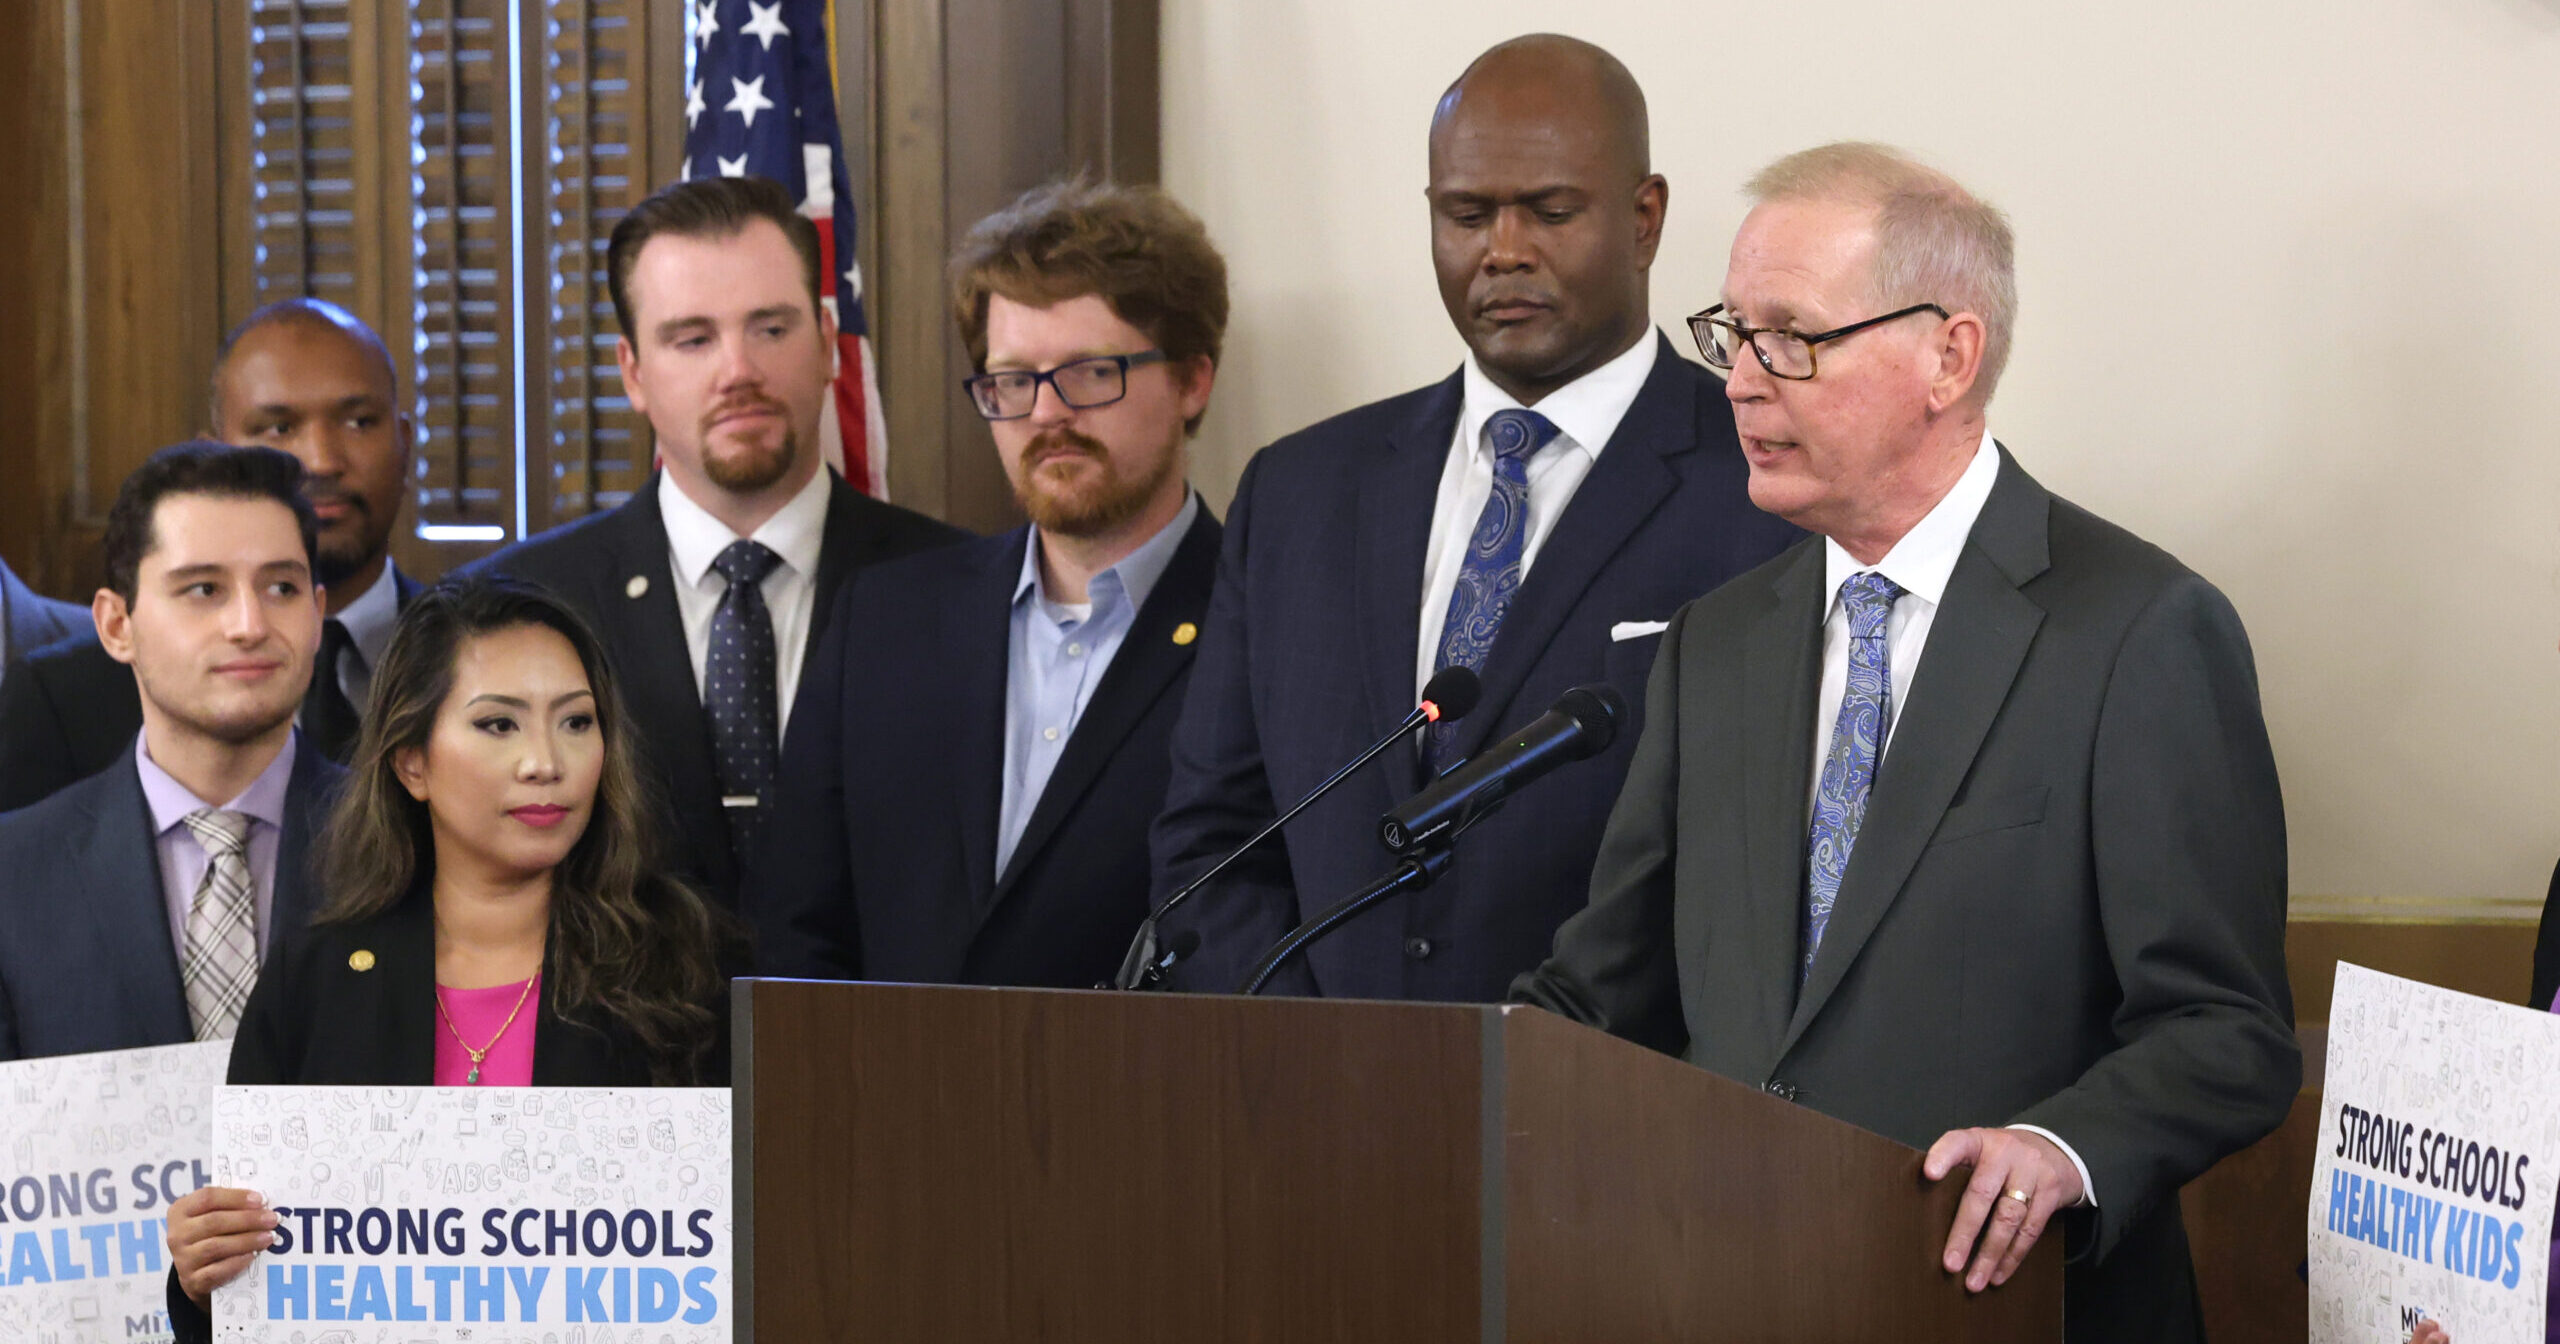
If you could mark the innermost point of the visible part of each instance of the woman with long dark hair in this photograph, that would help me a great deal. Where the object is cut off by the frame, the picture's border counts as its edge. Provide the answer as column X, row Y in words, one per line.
column 493, row 916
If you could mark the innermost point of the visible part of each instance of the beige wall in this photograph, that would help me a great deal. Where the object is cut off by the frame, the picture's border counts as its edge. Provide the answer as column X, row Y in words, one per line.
column 2291, row 309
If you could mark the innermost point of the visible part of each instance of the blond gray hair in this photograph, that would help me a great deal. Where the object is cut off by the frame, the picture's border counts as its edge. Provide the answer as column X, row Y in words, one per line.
column 1935, row 241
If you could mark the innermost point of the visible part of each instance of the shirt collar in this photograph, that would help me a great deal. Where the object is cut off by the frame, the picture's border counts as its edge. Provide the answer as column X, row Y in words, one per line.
column 171, row 801
column 1587, row 409
column 370, row 618
column 1921, row 563
column 1136, row 573
column 695, row 538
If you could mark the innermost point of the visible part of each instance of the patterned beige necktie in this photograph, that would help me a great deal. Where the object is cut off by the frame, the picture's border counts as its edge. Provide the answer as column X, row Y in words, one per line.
column 221, row 961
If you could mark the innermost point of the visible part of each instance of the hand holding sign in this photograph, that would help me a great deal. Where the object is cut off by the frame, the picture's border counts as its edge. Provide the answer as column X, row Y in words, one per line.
column 213, row 1235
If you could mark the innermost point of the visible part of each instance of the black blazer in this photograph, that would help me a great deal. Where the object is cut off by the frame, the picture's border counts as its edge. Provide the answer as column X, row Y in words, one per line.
column 33, row 621
column 880, row 864
column 73, row 709
column 86, row 962
column 2546, row 949
column 614, row 568
column 1308, row 656
column 316, row 1019
column 2066, row 906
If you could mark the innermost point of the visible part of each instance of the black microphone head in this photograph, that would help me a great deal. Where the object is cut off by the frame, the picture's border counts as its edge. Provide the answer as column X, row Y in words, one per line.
column 1455, row 690
column 1597, row 711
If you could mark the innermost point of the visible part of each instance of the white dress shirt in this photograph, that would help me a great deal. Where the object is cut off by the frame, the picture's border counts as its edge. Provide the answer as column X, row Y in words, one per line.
column 695, row 539
column 1585, row 413
column 1920, row 565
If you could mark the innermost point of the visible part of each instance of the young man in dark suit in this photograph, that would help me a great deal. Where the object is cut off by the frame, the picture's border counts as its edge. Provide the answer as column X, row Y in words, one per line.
column 306, row 376
column 1959, row 823
column 967, row 789
column 137, row 905
column 1534, row 517
column 715, row 579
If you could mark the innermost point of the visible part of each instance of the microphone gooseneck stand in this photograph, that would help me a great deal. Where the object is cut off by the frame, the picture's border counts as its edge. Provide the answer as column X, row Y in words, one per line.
column 1417, row 870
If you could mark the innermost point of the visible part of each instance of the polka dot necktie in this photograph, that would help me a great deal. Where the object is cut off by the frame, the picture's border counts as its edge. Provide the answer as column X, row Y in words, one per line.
column 738, row 690
column 1848, row 771
column 1491, row 573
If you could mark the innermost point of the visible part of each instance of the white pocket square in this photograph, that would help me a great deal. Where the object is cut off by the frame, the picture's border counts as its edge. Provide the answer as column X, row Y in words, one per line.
column 1626, row 630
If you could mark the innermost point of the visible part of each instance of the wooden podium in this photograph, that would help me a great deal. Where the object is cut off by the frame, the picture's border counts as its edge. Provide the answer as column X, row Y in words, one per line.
column 930, row 1164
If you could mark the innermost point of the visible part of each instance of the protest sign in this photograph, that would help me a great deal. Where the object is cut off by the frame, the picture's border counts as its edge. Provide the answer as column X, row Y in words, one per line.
column 2432, row 1188
column 422, row 1214
column 93, row 1148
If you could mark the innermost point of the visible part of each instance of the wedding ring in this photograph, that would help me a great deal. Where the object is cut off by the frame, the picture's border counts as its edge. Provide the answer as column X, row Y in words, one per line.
column 2019, row 1195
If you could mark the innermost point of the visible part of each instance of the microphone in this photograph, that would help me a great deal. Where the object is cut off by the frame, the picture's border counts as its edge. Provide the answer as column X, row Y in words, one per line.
column 1583, row 724
column 1446, row 698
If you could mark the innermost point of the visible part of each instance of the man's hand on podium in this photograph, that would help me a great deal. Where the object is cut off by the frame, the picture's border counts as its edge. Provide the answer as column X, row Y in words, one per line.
column 2019, row 1179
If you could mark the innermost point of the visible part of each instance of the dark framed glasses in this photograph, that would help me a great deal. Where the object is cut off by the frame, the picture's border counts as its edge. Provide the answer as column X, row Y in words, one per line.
column 1784, row 354
column 1009, row 394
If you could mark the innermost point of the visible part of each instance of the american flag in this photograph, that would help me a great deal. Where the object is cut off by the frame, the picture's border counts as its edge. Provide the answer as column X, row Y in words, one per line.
column 761, row 102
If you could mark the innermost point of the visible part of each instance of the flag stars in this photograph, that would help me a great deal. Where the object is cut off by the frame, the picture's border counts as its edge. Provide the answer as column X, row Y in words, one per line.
column 765, row 23
column 748, row 98
column 736, row 167
column 706, row 21
column 694, row 107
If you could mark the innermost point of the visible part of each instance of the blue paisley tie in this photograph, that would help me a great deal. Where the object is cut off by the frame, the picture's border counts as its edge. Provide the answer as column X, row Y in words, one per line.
column 1491, row 573
column 1850, row 768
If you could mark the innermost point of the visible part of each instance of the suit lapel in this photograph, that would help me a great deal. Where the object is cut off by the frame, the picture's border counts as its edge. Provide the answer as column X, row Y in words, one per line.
column 636, row 598
column 307, row 796
column 124, row 894
column 977, row 630
column 1398, row 492
column 1149, row 660
column 404, row 954
column 1976, row 644
column 1781, row 667
column 1626, row 484
column 842, row 549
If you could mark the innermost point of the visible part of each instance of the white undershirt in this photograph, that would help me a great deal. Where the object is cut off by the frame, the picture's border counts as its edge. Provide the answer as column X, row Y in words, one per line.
column 1585, row 413
column 695, row 539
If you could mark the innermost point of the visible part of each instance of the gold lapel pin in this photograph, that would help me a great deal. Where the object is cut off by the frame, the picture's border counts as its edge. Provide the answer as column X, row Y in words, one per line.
column 637, row 587
column 1185, row 633
column 361, row 959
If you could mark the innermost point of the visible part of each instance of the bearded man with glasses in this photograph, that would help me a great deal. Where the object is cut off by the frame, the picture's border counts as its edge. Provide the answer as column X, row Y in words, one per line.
column 1960, row 822
column 966, row 800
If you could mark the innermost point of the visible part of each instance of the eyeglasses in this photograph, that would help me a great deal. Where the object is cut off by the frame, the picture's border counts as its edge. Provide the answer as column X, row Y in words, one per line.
column 1785, row 354
column 1009, row 394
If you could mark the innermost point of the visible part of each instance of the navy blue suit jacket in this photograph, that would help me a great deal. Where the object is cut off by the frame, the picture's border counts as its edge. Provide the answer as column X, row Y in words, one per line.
column 33, row 621
column 613, row 568
column 1308, row 656
column 86, row 962
column 881, row 861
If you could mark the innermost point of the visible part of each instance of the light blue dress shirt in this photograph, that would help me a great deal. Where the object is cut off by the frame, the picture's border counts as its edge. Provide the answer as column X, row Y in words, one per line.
column 1056, row 656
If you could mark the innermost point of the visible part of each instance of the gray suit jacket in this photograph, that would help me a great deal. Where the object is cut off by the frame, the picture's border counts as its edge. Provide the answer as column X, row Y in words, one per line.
column 2066, row 902
column 86, row 962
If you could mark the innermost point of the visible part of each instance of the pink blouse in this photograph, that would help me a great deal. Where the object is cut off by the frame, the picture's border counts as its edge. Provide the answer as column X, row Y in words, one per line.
column 477, row 1014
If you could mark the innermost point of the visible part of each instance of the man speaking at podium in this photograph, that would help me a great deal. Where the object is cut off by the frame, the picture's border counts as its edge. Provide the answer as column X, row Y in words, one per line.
column 1960, row 823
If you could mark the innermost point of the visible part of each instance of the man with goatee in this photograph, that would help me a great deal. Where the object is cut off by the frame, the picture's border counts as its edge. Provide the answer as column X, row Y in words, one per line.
column 711, row 584
column 967, row 791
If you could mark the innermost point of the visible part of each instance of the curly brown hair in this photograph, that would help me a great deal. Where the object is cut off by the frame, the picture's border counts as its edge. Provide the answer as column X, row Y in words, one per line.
column 627, row 941
column 1136, row 248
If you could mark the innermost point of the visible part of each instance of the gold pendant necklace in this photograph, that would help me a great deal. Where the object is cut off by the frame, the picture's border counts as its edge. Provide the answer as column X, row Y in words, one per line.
column 483, row 1052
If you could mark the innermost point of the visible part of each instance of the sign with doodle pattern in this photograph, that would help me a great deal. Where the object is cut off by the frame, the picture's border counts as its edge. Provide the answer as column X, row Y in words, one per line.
column 2432, row 1184
column 92, row 1150
column 510, row 1215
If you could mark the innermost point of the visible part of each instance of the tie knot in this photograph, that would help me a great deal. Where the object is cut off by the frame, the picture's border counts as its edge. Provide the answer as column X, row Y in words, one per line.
column 745, row 562
column 1869, row 599
column 1515, row 434
column 221, row 833
column 334, row 639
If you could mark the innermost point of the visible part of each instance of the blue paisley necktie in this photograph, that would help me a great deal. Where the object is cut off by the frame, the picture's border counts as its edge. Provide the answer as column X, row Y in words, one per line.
column 1850, row 768
column 1491, row 573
